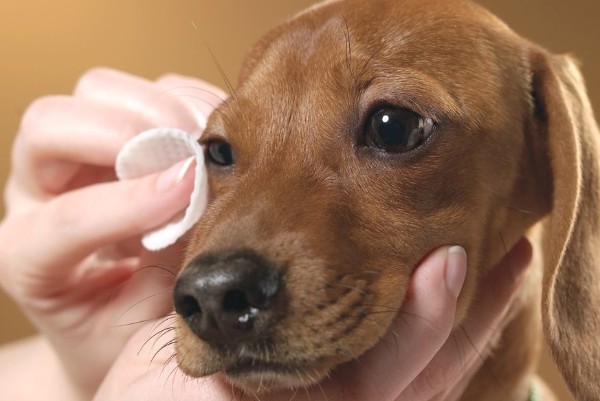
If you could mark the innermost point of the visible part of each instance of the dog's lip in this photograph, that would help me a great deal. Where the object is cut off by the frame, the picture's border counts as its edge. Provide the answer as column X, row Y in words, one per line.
column 249, row 366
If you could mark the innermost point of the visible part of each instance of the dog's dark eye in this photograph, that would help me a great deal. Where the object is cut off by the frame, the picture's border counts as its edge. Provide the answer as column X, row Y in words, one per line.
column 220, row 153
column 397, row 130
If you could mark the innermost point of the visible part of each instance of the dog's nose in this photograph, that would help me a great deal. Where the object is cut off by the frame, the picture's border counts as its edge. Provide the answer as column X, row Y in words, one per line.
column 229, row 297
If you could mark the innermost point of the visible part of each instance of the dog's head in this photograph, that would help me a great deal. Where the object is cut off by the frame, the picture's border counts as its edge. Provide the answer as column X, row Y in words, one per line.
column 364, row 134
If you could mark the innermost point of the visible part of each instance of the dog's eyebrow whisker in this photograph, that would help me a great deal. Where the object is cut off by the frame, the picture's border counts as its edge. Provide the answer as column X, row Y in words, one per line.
column 348, row 48
column 191, row 87
column 185, row 95
column 221, row 70
column 366, row 64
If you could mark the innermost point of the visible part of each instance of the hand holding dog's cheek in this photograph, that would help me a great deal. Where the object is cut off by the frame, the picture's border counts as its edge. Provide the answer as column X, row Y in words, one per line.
column 420, row 330
column 451, row 369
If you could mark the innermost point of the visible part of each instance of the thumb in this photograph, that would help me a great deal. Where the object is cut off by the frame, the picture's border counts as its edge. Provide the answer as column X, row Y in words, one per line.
column 72, row 226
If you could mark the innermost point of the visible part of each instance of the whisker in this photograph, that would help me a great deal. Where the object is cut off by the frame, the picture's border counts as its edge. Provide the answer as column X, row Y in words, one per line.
column 484, row 360
column 194, row 88
column 162, row 293
column 158, row 335
column 133, row 323
column 366, row 64
column 116, row 289
column 221, row 71
column 168, row 344
column 519, row 210
column 297, row 388
column 348, row 48
column 165, row 268
column 503, row 243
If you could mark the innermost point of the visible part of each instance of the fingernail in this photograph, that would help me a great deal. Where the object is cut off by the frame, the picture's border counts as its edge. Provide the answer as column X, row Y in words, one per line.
column 456, row 269
column 174, row 175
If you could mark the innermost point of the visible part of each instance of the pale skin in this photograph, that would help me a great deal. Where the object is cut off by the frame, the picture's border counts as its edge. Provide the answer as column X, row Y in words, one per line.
column 71, row 260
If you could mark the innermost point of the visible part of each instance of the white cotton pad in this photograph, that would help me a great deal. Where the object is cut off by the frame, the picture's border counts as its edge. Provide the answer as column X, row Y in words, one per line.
column 156, row 150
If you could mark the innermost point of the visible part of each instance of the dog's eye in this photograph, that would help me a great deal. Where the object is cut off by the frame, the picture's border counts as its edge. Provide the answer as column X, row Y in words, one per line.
column 220, row 153
column 397, row 130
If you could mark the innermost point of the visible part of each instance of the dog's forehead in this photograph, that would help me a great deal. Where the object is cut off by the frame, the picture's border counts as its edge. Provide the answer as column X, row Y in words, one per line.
column 404, row 26
column 439, row 54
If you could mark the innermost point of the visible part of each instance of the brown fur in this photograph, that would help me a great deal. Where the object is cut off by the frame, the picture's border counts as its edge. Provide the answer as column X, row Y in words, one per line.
column 516, row 140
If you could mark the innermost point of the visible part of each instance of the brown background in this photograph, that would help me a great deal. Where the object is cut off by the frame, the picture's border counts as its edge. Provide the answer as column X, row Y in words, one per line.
column 45, row 45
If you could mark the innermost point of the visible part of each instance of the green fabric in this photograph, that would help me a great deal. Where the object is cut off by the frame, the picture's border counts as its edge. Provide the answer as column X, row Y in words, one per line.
column 534, row 395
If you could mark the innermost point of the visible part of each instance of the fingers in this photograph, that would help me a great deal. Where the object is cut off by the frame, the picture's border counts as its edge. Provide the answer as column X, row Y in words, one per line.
column 73, row 225
column 143, row 97
column 60, row 133
column 423, row 325
column 460, row 357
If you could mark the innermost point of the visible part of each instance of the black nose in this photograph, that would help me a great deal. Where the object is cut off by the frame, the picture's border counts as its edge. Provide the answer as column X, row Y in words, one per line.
column 227, row 298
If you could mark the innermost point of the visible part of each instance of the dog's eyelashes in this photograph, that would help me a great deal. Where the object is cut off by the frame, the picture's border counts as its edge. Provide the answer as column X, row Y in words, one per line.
column 220, row 153
column 397, row 130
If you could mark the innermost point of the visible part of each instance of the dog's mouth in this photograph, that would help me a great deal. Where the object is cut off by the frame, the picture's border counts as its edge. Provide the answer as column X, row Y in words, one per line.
column 257, row 375
column 256, row 366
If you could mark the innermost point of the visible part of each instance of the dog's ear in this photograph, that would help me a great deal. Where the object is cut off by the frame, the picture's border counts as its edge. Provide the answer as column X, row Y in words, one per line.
column 571, row 248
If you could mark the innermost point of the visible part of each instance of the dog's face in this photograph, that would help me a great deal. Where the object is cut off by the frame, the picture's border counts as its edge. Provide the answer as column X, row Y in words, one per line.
column 363, row 135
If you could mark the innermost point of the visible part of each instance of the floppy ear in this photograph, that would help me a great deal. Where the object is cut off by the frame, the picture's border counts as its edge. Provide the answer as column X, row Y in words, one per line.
column 571, row 248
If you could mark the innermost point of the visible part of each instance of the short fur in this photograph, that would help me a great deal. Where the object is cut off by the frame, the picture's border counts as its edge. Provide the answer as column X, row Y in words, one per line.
column 516, row 146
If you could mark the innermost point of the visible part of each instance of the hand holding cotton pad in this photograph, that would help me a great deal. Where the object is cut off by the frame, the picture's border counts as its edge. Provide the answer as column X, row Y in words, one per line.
column 156, row 150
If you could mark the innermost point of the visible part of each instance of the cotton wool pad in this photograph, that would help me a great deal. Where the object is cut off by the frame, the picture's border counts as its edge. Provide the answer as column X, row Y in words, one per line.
column 154, row 151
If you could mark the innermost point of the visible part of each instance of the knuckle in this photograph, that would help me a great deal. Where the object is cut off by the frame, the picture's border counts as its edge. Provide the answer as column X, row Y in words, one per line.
column 38, row 111
column 89, row 78
column 168, row 78
column 36, row 120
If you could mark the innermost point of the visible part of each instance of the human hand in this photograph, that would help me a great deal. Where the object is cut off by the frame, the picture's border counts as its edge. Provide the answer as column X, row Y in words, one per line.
column 421, row 358
column 70, row 238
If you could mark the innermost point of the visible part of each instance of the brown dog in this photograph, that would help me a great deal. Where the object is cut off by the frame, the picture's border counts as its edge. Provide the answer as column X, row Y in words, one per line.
column 363, row 135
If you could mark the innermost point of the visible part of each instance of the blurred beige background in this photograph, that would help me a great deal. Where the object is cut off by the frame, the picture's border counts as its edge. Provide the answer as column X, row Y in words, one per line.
column 45, row 45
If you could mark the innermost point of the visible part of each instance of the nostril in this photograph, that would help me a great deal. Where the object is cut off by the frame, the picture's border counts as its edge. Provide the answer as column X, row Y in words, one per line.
column 188, row 306
column 235, row 301
column 227, row 298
